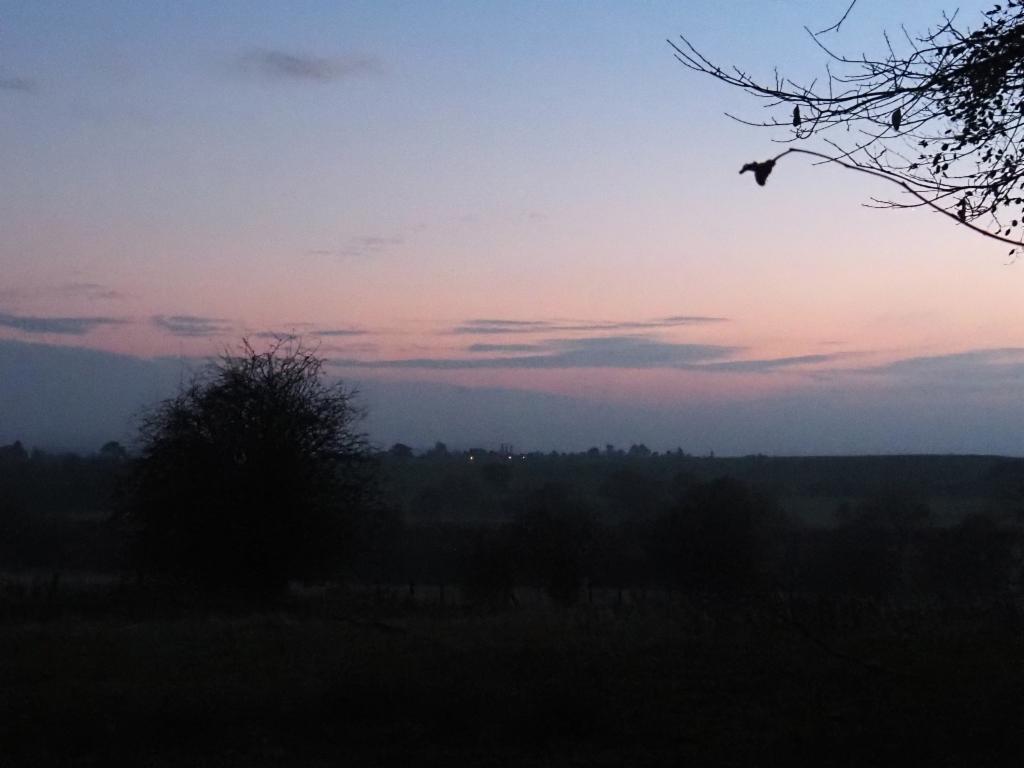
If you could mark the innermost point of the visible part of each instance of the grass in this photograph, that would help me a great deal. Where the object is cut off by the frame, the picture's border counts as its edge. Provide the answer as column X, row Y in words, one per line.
column 641, row 685
column 820, row 511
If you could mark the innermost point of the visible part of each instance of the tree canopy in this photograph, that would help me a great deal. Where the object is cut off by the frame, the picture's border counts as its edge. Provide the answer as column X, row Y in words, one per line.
column 251, row 475
column 938, row 114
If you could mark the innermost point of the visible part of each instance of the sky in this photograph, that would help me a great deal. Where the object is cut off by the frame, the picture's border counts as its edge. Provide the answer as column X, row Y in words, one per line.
column 503, row 222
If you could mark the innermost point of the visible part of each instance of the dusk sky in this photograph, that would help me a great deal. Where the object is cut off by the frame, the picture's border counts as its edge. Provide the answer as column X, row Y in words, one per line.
column 505, row 222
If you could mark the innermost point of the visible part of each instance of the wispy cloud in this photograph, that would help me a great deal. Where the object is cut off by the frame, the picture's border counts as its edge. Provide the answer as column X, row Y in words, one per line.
column 89, row 291
column 362, row 247
column 71, row 326
column 514, row 324
column 275, row 64
column 603, row 352
column 311, row 332
column 973, row 360
column 688, row 320
column 998, row 370
column 96, row 393
column 357, row 348
column 492, row 326
column 276, row 335
column 626, row 351
column 505, row 348
column 769, row 364
column 340, row 332
column 19, row 84
column 191, row 325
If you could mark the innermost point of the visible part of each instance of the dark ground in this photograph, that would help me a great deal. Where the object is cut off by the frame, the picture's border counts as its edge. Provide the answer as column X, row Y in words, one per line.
column 757, row 682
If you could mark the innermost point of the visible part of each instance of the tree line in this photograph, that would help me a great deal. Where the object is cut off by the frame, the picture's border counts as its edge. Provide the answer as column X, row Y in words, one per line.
column 254, row 476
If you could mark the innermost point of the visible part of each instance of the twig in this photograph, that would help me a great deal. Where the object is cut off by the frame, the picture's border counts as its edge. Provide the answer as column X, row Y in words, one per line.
column 906, row 187
column 835, row 27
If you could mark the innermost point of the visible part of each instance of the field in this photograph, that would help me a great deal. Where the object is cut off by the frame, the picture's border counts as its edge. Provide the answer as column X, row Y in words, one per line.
column 567, row 610
column 820, row 511
column 667, row 682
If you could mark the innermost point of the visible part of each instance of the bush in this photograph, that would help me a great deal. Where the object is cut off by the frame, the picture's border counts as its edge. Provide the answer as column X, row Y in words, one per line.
column 252, row 475
column 720, row 537
column 552, row 533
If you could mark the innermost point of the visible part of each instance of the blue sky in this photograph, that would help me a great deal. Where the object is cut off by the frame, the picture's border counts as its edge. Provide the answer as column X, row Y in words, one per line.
column 479, row 198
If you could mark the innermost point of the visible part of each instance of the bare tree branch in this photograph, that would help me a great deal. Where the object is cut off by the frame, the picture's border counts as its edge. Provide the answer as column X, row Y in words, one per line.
column 940, row 114
column 880, row 174
column 835, row 27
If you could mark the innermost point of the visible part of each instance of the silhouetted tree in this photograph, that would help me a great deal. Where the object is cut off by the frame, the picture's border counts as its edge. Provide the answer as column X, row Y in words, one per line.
column 630, row 494
column 432, row 554
column 439, row 451
column 1007, row 479
column 939, row 115
column 252, row 474
column 875, row 544
column 377, row 536
column 487, row 568
column 430, row 504
column 18, row 536
column 552, row 532
column 617, row 557
column 13, row 454
column 496, row 476
column 113, row 451
column 717, row 538
column 974, row 557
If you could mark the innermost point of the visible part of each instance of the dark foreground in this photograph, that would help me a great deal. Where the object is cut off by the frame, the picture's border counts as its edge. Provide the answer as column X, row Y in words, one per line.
column 757, row 682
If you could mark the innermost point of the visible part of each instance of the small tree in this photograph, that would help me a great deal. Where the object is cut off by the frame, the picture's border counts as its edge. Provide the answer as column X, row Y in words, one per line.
column 552, row 533
column 252, row 474
column 720, row 537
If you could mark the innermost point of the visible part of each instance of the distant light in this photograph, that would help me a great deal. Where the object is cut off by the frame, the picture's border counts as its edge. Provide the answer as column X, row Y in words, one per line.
column 470, row 458
column 510, row 458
